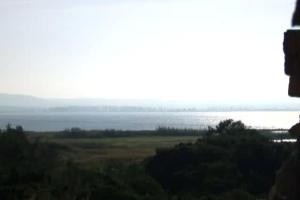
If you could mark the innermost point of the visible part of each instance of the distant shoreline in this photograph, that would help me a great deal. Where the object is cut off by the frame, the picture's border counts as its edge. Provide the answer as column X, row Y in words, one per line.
column 15, row 102
column 124, row 132
column 132, row 109
column 56, row 121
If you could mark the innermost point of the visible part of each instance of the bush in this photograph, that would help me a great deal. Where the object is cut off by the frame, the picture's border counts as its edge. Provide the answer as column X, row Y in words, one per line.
column 24, row 165
column 33, row 170
column 232, row 158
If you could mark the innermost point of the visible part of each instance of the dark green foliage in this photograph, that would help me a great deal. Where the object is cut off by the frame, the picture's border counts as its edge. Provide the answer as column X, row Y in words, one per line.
column 160, row 131
column 33, row 170
column 230, row 195
column 175, row 131
column 229, row 127
column 231, row 162
column 72, row 182
column 112, row 183
column 230, row 158
column 23, row 164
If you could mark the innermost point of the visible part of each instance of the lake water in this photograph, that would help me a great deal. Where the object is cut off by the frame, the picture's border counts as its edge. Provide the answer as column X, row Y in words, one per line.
column 54, row 121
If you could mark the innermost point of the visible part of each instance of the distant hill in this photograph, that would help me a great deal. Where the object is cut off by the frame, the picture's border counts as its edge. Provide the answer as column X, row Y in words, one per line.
column 17, row 102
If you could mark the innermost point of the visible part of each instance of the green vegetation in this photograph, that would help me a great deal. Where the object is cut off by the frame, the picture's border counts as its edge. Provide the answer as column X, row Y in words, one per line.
column 33, row 169
column 131, row 148
column 228, row 162
column 160, row 131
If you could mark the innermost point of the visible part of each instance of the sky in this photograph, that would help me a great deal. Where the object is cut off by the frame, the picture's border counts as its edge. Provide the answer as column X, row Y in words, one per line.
column 199, row 50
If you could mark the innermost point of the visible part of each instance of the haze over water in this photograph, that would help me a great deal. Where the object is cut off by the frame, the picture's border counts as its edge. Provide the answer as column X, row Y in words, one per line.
column 47, row 121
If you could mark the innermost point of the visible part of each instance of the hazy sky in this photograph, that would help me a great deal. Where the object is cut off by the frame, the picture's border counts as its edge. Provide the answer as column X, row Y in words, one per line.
column 159, row 49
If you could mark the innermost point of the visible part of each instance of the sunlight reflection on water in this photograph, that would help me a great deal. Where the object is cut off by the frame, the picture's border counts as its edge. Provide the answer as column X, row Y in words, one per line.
column 53, row 121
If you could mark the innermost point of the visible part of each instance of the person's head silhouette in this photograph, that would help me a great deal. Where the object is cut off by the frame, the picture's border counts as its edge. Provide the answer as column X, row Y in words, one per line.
column 296, row 15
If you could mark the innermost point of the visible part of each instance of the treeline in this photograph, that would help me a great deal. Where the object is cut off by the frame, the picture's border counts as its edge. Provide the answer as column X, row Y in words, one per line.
column 75, row 132
column 160, row 131
column 229, row 162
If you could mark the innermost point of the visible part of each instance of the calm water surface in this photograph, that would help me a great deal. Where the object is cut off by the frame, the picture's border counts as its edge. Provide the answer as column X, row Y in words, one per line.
column 54, row 121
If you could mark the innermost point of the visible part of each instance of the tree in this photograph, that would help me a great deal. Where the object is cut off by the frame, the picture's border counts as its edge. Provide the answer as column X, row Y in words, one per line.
column 230, row 126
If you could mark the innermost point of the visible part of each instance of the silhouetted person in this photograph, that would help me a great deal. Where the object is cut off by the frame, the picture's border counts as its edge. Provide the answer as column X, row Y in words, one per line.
column 287, row 182
column 296, row 15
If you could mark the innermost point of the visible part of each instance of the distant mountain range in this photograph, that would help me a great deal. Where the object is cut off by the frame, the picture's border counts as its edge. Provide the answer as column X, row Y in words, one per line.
column 15, row 102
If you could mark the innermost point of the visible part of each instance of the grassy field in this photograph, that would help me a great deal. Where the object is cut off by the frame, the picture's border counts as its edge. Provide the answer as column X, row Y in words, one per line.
column 93, row 147
column 131, row 148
